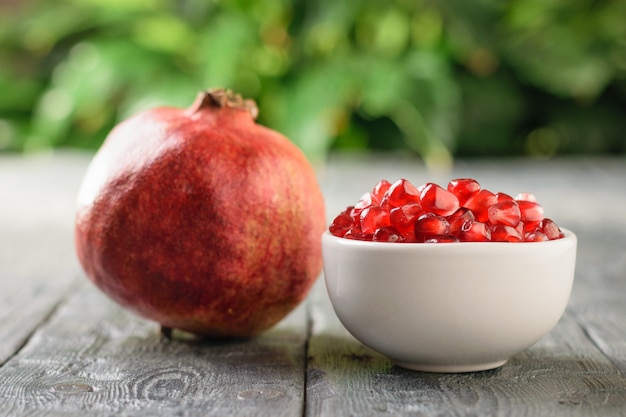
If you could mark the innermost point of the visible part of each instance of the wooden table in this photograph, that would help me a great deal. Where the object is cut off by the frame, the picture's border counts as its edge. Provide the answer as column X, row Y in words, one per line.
column 66, row 350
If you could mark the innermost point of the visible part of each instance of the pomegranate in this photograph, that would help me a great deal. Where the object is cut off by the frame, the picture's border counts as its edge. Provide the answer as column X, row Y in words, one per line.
column 461, row 212
column 200, row 219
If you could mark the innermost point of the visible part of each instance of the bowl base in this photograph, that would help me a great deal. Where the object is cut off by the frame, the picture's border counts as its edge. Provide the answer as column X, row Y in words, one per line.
column 473, row 367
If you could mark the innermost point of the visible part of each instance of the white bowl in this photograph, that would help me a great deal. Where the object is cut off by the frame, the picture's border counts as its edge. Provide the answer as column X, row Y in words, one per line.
column 449, row 307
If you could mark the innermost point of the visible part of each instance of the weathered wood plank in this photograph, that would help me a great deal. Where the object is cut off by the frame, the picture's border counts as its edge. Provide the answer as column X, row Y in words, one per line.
column 25, row 302
column 598, row 296
column 37, row 263
column 93, row 358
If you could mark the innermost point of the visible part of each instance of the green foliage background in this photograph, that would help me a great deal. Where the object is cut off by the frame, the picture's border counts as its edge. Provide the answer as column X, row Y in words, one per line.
column 438, row 78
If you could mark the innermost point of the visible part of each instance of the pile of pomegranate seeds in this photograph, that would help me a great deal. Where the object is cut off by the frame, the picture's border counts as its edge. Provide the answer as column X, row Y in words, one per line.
column 462, row 212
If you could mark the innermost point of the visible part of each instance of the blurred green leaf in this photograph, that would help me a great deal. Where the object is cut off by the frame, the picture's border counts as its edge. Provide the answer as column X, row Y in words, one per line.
column 434, row 78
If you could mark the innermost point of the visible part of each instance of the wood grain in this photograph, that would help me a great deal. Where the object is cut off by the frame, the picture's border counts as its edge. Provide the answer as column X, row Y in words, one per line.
column 37, row 263
column 92, row 358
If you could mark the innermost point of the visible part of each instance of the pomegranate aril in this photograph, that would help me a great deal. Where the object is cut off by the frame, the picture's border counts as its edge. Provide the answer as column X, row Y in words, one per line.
column 400, row 193
column 506, row 212
column 536, row 236
column 380, row 189
column 342, row 223
column 480, row 202
column 356, row 233
column 550, row 229
column 402, row 218
column 474, row 232
column 503, row 233
column 442, row 239
column 526, row 197
column 430, row 224
column 459, row 219
column 387, row 234
column 531, row 212
column 463, row 188
column 373, row 218
column 503, row 197
column 437, row 200
column 366, row 200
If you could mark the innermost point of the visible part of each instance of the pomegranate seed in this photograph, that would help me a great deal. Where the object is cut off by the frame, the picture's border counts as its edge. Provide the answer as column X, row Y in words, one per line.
column 430, row 224
column 356, row 233
column 550, row 229
column 342, row 223
column 480, row 202
column 400, row 193
column 503, row 197
column 380, row 189
column 463, row 188
column 531, row 212
column 372, row 218
column 526, row 197
column 459, row 219
column 387, row 234
column 366, row 200
column 402, row 218
column 506, row 212
column 474, row 232
column 536, row 236
column 437, row 200
column 504, row 233
column 442, row 239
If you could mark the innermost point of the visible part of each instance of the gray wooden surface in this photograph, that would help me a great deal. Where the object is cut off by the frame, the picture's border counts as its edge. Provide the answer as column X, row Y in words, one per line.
column 66, row 350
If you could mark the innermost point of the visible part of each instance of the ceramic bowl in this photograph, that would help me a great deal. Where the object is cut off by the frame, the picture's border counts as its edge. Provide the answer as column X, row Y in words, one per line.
column 449, row 307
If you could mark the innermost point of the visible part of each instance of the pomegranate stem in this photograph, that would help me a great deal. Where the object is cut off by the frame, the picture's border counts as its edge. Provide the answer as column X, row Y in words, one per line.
column 221, row 98
column 166, row 332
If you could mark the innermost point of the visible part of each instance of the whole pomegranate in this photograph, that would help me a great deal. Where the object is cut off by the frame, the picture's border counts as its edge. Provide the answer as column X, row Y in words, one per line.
column 201, row 219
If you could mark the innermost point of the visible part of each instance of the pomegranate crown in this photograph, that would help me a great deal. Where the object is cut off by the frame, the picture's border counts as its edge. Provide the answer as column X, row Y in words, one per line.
column 220, row 98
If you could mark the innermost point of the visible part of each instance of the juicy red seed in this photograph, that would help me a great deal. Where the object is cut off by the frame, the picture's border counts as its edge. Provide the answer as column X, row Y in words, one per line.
column 356, row 234
column 341, row 224
column 402, row 192
column 480, row 202
column 503, row 233
column 536, row 236
column 402, row 218
column 474, row 232
column 380, row 189
column 459, row 219
column 550, row 229
column 437, row 200
column 526, row 197
column 442, row 239
column 366, row 200
column 520, row 228
column 387, row 234
column 373, row 218
column 506, row 212
column 430, row 224
column 531, row 212
column 463, row 188
column 503, row 197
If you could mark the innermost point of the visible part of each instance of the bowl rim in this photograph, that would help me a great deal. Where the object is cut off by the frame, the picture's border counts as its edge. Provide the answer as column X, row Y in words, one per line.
column 568, row 237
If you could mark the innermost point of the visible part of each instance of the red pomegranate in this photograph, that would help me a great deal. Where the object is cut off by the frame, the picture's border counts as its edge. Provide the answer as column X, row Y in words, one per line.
column 200, row 219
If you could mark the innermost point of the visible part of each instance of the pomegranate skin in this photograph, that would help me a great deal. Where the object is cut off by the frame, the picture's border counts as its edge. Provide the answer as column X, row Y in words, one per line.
column 200, row 219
